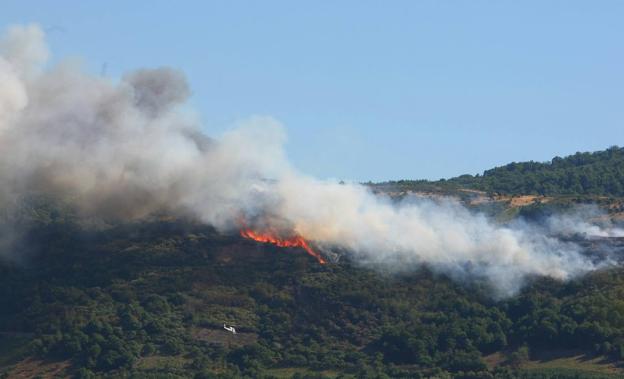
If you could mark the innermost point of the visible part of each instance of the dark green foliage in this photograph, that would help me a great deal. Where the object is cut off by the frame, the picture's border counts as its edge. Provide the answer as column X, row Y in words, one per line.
column 148, row 299
column 597, row 173
column 110, row 300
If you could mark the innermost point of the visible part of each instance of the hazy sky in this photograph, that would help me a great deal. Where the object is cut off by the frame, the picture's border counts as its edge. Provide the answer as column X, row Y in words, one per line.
column 373, row 90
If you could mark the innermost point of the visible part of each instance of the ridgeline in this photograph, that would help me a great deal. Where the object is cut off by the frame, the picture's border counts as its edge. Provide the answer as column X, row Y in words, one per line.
column 599, row 173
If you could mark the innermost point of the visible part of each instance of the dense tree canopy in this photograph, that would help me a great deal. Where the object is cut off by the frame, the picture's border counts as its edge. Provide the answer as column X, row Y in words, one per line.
column 150, row 299
column 597, row 173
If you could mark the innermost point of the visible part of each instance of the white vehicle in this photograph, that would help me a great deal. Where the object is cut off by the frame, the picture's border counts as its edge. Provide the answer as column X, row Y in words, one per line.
column 229, row 329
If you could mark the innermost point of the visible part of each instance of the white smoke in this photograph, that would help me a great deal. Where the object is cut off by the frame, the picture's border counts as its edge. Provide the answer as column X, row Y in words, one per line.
column 443, row 234
column 584, row 221
column 126, row 149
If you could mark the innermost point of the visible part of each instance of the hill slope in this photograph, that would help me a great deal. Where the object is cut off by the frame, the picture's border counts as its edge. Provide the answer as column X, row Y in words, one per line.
column 597, row 173
column 150, row 299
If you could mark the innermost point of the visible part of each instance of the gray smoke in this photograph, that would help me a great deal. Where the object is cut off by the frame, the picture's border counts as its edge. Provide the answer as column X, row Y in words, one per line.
column 157, row 91
column 584, row 221
column 127, row 149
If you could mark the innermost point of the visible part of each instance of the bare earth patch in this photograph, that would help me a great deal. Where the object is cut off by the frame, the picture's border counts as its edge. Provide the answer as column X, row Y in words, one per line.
column 580, row 362
column 494, row 360
column 524, row 200
column 223, row 337
column 560, row 360
column 30, row 368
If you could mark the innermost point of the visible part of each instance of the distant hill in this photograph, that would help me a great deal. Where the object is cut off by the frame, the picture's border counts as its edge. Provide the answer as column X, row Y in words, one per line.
column 597, row 173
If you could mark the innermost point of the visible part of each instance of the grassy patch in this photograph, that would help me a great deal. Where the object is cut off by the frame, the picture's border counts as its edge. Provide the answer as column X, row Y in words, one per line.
column 582, row 363
column 565, row 373
column 33, row 368
column 288, row 372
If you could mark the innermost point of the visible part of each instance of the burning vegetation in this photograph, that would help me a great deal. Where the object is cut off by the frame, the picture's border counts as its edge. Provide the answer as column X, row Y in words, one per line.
column 275, row 239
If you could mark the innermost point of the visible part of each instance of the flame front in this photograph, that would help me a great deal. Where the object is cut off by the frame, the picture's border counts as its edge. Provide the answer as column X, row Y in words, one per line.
column 296, row 241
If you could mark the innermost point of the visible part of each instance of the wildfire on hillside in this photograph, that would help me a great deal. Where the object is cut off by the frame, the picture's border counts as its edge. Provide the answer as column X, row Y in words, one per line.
column 272, row 238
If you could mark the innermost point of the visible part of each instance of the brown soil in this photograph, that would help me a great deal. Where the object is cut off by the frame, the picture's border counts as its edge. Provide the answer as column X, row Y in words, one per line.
column 30, row 368
column 521, row 201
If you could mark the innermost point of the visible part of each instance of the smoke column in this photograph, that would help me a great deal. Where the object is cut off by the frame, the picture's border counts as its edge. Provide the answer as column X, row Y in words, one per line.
column 126, row 148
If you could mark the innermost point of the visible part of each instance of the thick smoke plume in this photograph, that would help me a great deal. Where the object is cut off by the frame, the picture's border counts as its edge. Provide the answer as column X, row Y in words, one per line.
column 584, row 221
column 128, row 148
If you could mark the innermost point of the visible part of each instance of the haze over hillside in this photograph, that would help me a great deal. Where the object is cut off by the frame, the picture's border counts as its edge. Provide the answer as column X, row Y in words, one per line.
column 149, row 298
column 127, row 149
column 131, row 243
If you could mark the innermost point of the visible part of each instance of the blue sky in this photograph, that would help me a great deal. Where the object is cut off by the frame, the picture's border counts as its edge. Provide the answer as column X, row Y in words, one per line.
column 373, row 90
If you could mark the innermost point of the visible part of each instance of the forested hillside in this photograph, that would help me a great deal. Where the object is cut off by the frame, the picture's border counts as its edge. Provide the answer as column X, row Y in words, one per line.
column 597, row 173
column 149, row 300
column 92, row 298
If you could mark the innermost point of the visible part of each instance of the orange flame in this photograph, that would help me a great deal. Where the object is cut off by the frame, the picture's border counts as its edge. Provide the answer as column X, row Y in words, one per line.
column 296, row 241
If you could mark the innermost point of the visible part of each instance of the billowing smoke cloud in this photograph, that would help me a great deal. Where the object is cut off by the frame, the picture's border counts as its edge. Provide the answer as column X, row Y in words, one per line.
column 584, row 221
column 127, row 148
